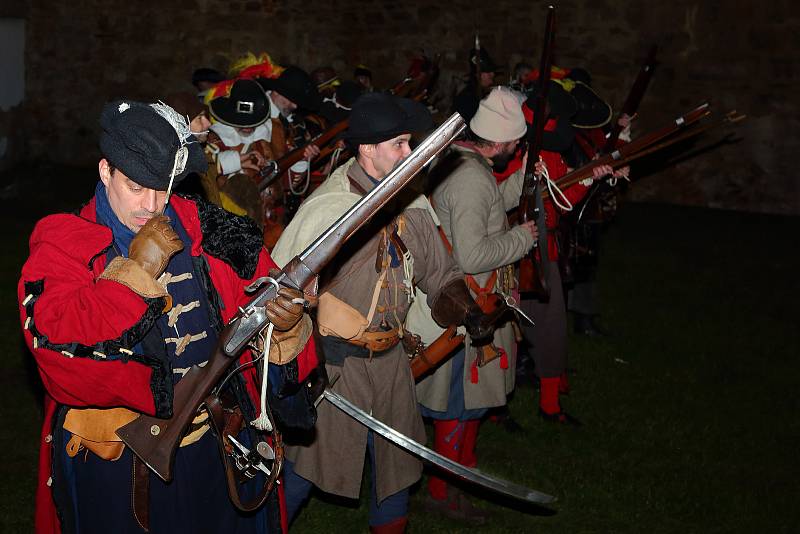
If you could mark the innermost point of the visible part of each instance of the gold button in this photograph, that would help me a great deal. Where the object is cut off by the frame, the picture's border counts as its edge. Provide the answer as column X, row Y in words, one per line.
column 155, row 430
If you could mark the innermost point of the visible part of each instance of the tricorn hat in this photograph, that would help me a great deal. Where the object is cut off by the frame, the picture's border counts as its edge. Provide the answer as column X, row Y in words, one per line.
column 592, row 111
column 377, row 117
column 296, row 85
column 246, row 105
column 149, row 143
column 560, row 101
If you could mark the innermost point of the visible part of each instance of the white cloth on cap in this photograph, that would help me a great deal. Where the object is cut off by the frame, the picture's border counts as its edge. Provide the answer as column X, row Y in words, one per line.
column 499, row 117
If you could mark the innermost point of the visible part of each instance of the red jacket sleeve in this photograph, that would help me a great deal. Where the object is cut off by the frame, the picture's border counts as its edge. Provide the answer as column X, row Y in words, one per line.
column 75, row 324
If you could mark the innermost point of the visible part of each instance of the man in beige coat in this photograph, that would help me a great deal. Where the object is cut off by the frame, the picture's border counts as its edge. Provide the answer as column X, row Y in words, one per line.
column 361, row 315
column 472, row 210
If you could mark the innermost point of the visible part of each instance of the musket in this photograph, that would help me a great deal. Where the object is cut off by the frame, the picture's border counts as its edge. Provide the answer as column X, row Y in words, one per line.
column 635, row 96
column 477, row 61
column 640, row 143
column 626, row 157
column 532, row 277
column 155, row 440
column 276, row 168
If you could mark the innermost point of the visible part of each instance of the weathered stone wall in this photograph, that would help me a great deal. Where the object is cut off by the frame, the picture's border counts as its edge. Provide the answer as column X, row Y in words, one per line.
column 741, row 54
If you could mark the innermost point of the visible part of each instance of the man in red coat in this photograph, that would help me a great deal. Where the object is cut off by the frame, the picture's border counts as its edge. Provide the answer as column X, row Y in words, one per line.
column 117, row 301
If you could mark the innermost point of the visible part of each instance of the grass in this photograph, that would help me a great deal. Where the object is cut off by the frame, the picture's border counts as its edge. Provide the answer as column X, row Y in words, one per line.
column 690, row 410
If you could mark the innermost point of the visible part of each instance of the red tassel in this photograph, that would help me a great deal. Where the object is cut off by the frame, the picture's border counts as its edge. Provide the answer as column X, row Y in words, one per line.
column 503, row 359
column 474, row 371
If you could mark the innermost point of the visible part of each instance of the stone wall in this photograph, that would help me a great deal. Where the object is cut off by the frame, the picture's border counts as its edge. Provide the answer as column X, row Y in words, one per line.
column 739, row 54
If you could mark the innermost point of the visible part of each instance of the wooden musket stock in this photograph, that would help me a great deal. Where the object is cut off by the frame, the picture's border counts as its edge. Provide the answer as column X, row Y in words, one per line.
column 156, row 440
column 282, row 164
column 635, row 96
column 622, row 154
column 531, row 274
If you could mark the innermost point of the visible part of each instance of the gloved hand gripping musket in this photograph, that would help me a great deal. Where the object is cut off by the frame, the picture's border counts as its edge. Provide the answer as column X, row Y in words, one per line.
column 155, row 440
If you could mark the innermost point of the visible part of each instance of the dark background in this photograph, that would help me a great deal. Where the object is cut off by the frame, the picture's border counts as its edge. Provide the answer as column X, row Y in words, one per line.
column 738, row 54
column 689, row 409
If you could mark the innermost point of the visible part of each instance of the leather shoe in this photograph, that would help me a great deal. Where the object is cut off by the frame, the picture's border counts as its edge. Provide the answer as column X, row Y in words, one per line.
column 456, row 506
column 561, row 418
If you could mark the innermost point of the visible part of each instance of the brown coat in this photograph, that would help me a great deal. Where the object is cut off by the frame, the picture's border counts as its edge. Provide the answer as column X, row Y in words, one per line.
column 383, row 385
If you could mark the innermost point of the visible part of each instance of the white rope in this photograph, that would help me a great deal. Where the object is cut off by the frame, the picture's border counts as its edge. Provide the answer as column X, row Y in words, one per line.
column 408, row 275
column 262, row 421
column 334, row 160
column 553, row 189
column 612, row 181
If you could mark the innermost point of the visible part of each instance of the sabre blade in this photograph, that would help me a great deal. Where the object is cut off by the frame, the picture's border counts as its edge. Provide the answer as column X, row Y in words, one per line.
column 501, row 486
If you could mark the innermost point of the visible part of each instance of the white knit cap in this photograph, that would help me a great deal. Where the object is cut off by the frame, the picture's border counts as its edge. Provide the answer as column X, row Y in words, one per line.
column 499, row 117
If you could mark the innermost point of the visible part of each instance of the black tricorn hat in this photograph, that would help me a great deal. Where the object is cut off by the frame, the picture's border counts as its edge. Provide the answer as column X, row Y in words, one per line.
column 246, row 106
column 147, row 142
column 378, row 117
column 560, row 102
column 486, row 63
column 592, row 111
column 296, row 85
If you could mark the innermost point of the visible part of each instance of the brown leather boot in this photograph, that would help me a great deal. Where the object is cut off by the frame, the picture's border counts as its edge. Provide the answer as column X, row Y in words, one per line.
column 457, row 506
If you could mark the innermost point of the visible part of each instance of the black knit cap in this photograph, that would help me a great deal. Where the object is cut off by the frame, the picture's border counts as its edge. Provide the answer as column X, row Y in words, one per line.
column 245, row 107
column 142, row 143
column 378, row 117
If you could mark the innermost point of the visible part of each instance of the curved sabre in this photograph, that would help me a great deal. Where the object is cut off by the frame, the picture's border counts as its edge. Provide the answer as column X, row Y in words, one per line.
column 473, row 475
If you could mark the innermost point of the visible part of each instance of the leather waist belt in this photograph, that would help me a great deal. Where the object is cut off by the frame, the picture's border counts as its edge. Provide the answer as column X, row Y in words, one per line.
column 380, row 341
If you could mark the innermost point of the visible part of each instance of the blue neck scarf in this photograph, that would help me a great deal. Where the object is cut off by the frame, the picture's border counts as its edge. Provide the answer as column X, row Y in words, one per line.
column 106, row 216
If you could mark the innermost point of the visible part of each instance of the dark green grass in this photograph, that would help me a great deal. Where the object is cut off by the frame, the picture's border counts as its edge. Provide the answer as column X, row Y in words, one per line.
column 690, row 411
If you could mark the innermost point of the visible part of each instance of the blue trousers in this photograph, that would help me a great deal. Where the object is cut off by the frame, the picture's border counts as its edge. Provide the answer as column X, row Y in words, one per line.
column 297, row 489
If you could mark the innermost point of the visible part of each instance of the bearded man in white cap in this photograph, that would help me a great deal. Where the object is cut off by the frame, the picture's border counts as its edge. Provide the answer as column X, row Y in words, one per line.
column 472, row 209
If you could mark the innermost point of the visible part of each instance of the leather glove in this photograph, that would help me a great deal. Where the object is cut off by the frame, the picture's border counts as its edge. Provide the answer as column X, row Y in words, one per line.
column 154, row 245
column 454, row 305
column 282, row 312
column 287, row 345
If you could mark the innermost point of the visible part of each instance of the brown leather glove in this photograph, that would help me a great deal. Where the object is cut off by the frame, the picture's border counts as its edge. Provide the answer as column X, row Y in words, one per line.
column 154, row 245
column 455, row 306
column 282, row 312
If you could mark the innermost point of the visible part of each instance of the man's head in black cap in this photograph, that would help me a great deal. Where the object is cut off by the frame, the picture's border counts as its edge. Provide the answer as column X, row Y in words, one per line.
column 293, row 89
column 147, row 149
column 380, row 129
column 363, row 76
column 488, row 68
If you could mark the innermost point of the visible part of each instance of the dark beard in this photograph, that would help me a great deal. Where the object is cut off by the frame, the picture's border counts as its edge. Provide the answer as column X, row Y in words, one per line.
column 500, row 161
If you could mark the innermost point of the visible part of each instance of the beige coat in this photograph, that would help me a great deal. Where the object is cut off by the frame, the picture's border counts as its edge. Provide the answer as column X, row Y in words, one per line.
column 472, row 211
column 382, row 386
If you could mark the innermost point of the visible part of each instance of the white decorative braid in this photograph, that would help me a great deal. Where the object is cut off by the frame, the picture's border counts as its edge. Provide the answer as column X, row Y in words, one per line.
column 182, row 129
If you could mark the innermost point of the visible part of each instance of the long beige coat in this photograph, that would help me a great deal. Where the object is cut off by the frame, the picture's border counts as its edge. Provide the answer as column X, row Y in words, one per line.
column 382, row 386
column 472, row 211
